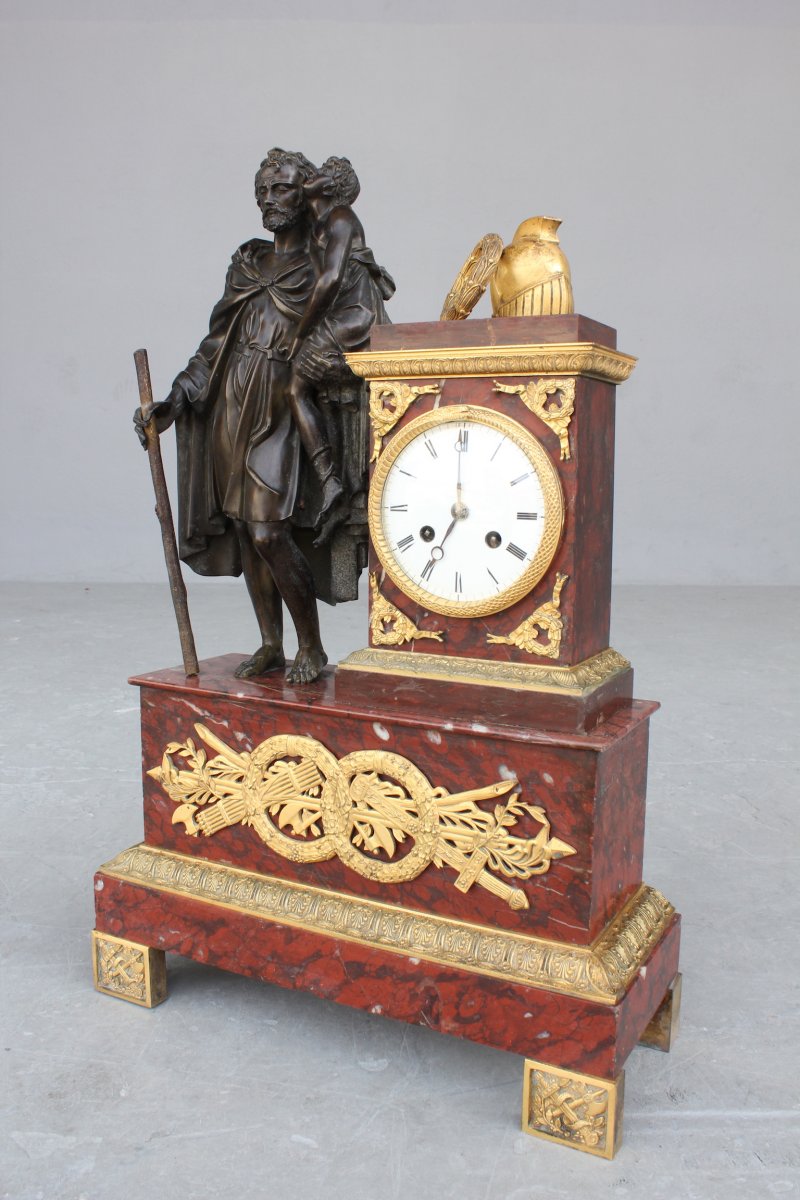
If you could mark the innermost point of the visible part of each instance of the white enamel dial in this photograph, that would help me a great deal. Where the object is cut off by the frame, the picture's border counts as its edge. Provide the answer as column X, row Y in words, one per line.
column 466, row 510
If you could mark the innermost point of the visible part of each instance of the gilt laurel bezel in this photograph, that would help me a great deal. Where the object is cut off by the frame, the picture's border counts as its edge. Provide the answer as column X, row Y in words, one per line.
column 553, row 516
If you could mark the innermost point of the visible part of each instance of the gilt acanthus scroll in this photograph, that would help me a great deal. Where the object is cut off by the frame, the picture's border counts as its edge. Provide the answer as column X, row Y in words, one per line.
column 552, row 401
column 388, row 625
column 367, row 808
column 389, row 400
column 545, row 620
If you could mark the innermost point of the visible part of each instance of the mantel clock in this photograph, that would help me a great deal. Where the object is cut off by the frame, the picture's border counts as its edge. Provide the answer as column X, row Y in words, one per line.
column 448, row 828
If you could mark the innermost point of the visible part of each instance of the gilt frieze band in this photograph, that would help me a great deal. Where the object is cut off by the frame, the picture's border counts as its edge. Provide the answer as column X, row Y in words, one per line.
column 601, row 972
column 568, row 358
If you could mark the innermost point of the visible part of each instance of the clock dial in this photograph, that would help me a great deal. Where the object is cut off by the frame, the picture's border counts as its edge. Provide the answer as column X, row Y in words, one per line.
column 466, row 510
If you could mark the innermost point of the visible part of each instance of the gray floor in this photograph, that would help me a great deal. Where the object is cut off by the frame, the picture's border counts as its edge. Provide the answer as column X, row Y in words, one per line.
column 237, row 1089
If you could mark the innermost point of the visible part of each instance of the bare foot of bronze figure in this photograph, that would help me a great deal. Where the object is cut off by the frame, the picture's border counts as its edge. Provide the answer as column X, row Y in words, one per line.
column 266, row 658
column 307, row 665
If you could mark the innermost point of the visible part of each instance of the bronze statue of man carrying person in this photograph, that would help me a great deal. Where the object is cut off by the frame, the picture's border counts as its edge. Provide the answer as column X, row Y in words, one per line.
column 260, row 469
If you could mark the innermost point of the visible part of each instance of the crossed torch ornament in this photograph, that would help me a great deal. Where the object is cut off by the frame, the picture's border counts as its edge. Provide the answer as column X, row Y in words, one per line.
column 373, row 809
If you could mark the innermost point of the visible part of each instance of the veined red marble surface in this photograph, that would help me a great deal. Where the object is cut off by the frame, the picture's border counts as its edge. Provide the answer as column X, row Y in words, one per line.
column 493, row 331
column 587, row 480
column 591, row 786
column 583, row 554
column 551, row 1027
column 509, row 705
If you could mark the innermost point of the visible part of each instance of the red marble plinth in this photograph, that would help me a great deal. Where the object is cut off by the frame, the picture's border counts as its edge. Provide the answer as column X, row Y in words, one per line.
column 590, row 785
column 569, row 1031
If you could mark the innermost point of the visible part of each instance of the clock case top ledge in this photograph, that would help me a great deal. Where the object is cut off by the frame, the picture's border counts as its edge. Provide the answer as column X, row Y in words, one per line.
column 587, row 479
column 492, row 331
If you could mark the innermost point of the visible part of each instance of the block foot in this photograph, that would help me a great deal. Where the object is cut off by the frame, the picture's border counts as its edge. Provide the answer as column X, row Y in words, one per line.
column 581, row 1111
column 663, row 1028
column 129, row 970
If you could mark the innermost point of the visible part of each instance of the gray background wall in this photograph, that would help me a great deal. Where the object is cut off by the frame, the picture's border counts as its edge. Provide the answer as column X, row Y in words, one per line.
column 664, row 135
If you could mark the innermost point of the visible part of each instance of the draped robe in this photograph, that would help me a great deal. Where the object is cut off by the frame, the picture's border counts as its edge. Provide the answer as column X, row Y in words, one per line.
column 239, row 451
column 238, row 448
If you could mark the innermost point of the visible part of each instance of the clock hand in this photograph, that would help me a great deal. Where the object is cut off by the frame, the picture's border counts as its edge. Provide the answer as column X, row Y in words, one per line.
column 459, row 504
column 450, row 529
column 459, row 509
column 437, row 553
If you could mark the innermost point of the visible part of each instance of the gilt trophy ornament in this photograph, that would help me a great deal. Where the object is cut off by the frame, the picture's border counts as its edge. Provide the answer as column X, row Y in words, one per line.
column 530, row 277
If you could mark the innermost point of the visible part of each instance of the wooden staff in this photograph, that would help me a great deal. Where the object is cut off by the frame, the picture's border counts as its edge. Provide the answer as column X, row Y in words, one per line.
column 164, row 514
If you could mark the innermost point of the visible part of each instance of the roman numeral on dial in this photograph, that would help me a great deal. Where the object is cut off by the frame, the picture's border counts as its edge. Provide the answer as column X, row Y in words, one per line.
column 515, row 550
column 405, row 542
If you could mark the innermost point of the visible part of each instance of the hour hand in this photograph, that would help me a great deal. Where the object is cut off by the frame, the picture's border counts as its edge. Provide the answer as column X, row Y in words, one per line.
column 450, row 529
column 437, row 552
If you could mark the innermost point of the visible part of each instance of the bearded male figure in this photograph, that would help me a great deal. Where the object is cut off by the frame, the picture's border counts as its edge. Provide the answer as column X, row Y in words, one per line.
column 248, row 490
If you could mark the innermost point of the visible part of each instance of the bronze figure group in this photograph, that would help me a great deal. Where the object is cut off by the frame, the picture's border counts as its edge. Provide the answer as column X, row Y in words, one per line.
column 271, row 424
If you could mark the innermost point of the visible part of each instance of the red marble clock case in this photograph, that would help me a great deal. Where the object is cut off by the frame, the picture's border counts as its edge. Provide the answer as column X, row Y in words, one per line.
column 587, row 480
